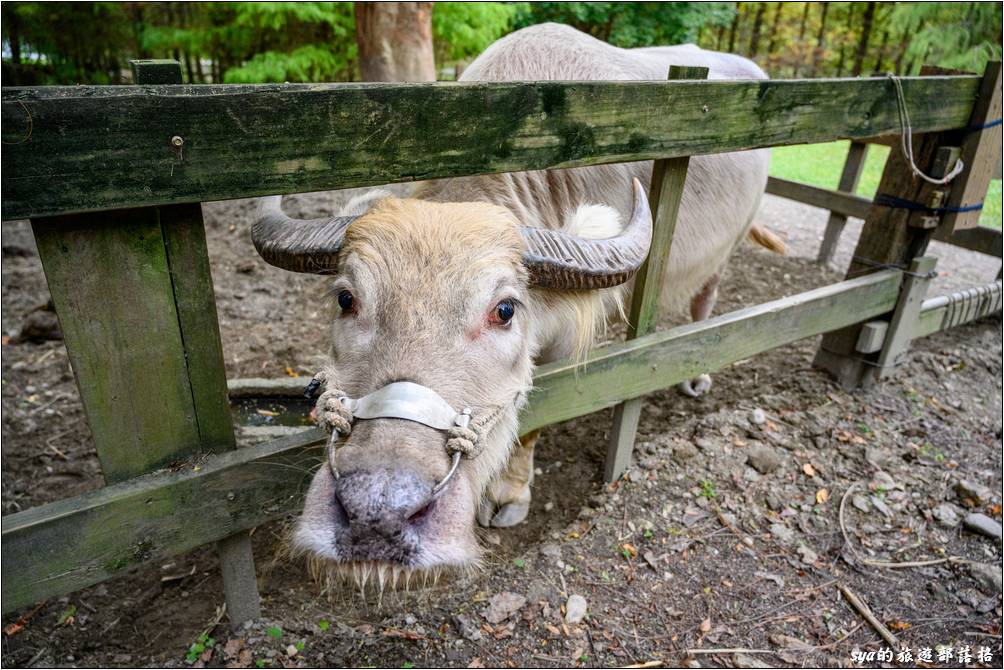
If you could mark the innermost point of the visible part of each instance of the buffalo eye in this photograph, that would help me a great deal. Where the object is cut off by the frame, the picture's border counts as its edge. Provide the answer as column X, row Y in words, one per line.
column 346, row 301
column 504, row 311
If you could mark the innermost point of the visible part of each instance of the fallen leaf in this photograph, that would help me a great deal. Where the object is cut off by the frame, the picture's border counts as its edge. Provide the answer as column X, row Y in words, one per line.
column 628, row 550
column 503, row 605
column 822, row 495
column 233, row 647
column 807, row 469
column 267, row 412
column 705, row 625
column 291, row 372
column 899, row 625
column 476, row 663
column 5, row 340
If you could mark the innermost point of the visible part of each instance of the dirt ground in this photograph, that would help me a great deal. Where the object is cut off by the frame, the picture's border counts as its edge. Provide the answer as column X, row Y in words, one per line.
column 725, row 534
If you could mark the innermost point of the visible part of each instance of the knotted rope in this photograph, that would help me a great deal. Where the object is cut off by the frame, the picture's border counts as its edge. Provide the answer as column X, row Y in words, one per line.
column 906, row 139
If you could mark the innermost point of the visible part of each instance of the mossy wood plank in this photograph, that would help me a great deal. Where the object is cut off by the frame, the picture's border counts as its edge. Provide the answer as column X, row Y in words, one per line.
column 70, row 544
column 195, row 301
column 192, row 282
column 111, row 285
column 72, row 149
column 660, row 360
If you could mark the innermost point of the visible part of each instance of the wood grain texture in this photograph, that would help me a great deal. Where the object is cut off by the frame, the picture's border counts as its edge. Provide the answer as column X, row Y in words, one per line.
column 111, row 286
column 73, row 543
column 73, row 149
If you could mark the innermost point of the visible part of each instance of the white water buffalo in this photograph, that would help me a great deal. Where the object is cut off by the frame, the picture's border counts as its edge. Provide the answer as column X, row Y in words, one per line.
column 446, row 301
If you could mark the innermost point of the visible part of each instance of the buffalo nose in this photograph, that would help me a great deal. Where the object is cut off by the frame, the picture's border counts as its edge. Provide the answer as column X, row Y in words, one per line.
column 382, row 503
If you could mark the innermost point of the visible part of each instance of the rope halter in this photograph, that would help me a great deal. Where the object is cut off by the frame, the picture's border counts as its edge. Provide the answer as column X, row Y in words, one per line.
column 410, row 402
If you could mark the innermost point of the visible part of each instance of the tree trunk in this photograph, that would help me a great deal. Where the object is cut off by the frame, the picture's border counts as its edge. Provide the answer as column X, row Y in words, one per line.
column 880, row 56
column 820, row 40
column 843, row 46
column 732, row 32
column 395, row 41
column 866, row 32
column 774, row 28
column 721, row 35
column 805, row 19
column 757, row 24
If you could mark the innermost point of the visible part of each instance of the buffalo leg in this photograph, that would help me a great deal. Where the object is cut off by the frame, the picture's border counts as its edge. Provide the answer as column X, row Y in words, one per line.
column 507, row 501
column 700, row 309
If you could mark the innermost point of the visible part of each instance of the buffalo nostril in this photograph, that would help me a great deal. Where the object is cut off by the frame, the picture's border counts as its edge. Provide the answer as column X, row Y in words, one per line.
column 421, row 511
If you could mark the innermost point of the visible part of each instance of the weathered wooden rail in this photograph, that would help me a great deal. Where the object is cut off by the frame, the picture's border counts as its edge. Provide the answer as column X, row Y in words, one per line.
column 110, row 177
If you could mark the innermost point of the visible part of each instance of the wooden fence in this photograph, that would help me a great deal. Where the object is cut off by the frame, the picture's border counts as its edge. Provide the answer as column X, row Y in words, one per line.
column 111, row 178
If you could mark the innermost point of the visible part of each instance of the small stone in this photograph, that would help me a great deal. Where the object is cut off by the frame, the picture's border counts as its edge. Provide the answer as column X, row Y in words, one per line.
column 987, row 576
column 291, row 650
column 861, row 503
column 575, row 609
column 758, row 417
column 684, row 452
column 946, row 515
column 782, row 532
column 704, row 444
column 978, row 493
column 410, row 620
column 551, row 549
column 877, row 456
column 747, row 661
column 548, row 506
column 762, row 458
column 467, row 627
column 981, row 523
column 775, row 502
column 809, row 557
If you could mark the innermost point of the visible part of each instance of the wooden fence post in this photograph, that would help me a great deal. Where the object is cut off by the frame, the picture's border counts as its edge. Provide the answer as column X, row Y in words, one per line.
column 134, row 295
column 853, row 167
column 185, row 240
column 894, row 236
column 665, row 192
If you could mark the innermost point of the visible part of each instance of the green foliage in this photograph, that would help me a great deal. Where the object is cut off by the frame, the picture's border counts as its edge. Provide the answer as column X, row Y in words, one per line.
column 821, row 164
column 962, row 35
column 203, row 643
column 463, row 29
column 274, row 632
column 630, row 24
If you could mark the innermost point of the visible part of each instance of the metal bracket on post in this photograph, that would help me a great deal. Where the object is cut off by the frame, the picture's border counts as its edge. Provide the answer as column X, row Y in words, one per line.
column 904, row 319
column 665, row 192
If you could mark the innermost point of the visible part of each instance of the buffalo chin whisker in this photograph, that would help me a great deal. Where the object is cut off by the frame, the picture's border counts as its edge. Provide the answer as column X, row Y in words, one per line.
column 377, row 579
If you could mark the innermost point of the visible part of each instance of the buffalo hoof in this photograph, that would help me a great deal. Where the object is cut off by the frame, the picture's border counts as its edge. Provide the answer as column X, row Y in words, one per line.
column 695, row 387
column 509, row 514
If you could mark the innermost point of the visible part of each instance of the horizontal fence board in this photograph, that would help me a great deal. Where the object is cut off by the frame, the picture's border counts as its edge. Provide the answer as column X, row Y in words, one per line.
column 73, row 543
column 948, row 311
column 618, row 372
column 82, row 148
column 835, row 201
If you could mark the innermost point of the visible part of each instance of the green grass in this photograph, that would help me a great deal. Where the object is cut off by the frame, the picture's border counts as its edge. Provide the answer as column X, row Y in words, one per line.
column 821, row 164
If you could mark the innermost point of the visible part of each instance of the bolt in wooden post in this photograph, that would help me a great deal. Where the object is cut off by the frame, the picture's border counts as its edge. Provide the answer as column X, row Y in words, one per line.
column 853, row 167
column 665, row 192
